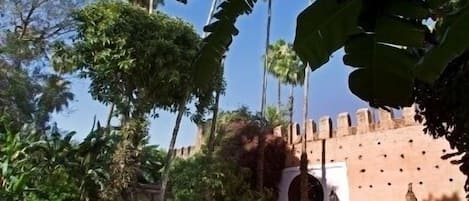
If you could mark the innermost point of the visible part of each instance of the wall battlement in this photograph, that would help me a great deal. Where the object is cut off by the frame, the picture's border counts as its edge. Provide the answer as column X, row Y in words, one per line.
column 184, row 152
column 365, row 124
column 325, row 129
column 381, row 156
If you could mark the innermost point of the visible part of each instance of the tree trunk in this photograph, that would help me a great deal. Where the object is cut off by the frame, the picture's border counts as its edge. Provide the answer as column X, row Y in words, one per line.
column 211, row 136
column 260, row 160
column 304, row 156
column 109, row 118
column 266, row 62
column 169, row 156
column 279, row 95
column 260, row 149
column 290, row 111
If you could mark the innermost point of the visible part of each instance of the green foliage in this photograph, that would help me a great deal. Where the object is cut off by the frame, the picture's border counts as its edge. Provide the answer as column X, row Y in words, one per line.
column 323, row 27
column 37, row 166
column 453, row 42
column 126, row 158
column 200, row 178
column 34, row 166
column 443, row 108
column 28, row 31
column 378, row 66
column 373, row 34
column 275, row 118
column 377, row 36
column 284, row 64
column 214, row 46
column 126, row 53
column 236, row 142
column 15, row 169
column 17, row 92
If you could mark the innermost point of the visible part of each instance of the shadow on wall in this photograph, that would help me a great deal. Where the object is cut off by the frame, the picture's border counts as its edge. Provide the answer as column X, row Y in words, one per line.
column 240, row 144
column 453, row 197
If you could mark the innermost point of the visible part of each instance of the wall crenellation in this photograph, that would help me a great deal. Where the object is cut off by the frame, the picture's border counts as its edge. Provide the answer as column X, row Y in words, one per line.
column 184, row 152
column 325, row 129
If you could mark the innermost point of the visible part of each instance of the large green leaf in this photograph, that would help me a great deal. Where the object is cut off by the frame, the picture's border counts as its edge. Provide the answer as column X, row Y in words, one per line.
column 217, row 42
column 454, row 42
column 384, row 76
column 323, row 28
column 397, row 31
column 408, row 9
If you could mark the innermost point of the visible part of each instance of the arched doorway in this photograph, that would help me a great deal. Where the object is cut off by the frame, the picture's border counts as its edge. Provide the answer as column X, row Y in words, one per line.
column 315, row 191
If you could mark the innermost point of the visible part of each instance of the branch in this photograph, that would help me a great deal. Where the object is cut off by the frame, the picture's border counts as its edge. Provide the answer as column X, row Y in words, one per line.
column 26, row 21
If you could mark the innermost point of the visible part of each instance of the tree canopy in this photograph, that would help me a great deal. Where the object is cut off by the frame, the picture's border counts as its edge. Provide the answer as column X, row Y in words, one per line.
column 139, row 62
column 284, row 64
column 29, row 31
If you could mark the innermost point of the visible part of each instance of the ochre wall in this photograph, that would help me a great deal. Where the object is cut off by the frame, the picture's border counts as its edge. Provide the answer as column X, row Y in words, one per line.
column 382, row 157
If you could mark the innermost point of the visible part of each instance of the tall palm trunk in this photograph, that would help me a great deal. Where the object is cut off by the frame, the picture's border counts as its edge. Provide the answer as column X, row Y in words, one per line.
column 261, row 143
column 169, row 156
column 109, row 118
column 266, row 62
column 304, row 156
column 290, row 111
column 279, row 95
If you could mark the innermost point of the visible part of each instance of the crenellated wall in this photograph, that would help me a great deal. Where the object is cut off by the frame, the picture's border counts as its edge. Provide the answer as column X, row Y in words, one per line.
column 381, row 156
column 365, row 124
column 184, row 152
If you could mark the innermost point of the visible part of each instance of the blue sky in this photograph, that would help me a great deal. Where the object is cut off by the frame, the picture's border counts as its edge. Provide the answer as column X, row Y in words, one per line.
column 329, row 93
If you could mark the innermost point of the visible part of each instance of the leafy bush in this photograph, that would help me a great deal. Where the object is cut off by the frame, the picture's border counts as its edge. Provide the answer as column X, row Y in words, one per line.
column 38, row 166
column 232, row 168
column 200, row 179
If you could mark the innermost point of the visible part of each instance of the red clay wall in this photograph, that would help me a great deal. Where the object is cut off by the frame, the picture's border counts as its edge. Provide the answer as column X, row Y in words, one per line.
column 383, row 157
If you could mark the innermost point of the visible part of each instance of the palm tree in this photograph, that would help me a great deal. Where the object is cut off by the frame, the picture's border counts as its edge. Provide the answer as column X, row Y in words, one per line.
column 275, row 117
column 266, row 59
column 55, row 97
column 276, row 50
column 287, row 67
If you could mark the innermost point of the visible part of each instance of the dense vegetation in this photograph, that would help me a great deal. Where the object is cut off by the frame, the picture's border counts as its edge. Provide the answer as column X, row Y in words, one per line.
column 230, row 173
column 50, row 166
column 126, row 51
column 399, row 59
